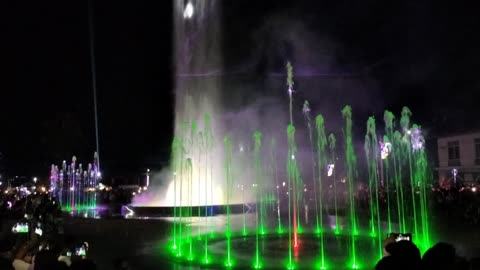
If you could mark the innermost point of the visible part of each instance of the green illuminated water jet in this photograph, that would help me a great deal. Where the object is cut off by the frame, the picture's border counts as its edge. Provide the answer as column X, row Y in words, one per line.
column 405, row 124
column 293, row 182
column 222, row 250
column 229, row 181
column 273, row 158
column 189, row 172
column 384, row 176
column 398, row 152
column 333, row 158
column 371, row 151
column 388, row 118
column 175, row 167
column 351, row 162
column 260, row 229
column 290, row 88
column 306, row 112
column 322, row 164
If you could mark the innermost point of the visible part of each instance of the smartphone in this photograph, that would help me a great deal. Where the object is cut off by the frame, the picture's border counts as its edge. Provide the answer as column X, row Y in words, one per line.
column 81, row 251
column 402, row 236
column 20, row 227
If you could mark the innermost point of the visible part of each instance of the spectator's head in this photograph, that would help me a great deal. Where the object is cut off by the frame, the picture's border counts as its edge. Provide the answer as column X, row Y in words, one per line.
column 475, row 263
column 440, row 256
column 6, row 245
column 405, row 252
column 45, row 260
column 386, row 263
column 84, row 264
column 121, row 264
column 404, row 249
column 6, row 264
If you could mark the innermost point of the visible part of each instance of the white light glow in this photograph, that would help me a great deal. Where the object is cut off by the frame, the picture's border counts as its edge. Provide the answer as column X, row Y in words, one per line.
column 330, row 168
column 130, row 213
column 385, row 149
column 188, row 12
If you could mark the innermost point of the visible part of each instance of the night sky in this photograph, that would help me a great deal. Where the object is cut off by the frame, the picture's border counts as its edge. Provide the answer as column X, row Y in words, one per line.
column 423, row 54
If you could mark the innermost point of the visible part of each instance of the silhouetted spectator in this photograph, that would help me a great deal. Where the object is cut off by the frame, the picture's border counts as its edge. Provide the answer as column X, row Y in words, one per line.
column 84, row 264
column 400, row 255
column 440, row 256
column 6, row 264
column 390, row 263
column 45, row 260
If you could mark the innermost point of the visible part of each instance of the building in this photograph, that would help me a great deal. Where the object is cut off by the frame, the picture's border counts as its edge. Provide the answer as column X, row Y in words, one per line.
column 459, row 158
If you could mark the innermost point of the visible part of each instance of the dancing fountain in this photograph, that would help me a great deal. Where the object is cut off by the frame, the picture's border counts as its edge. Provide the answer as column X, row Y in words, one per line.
column 342, row 233
column 74, row 186
column 255, row 205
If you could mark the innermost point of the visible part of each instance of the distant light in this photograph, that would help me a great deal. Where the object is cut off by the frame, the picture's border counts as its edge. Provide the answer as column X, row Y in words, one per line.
column 0, row 183
column 330, row 168
column 416, row 139
column 99, row 174
column 148, row 170
column 144, row 188
column 385, row 149
column 35, row 179
column 188, row 12
column 43, row 189
column 305, row 190
column 72, row 188
column 130, row 213
column 474, row 189
column 283, row 184
column 290, row 91
column 9, row 203
column 293, row 157
column 133, row 193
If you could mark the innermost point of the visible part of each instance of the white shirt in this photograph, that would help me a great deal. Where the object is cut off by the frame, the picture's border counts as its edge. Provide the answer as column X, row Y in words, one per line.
column 20, row 265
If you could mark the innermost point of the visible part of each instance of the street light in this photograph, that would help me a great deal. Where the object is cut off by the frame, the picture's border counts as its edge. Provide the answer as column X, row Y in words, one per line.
column 188, row 12
column 148, row 177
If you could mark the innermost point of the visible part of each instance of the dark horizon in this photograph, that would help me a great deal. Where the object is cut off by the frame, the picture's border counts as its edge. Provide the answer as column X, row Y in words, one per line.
column 419, row 55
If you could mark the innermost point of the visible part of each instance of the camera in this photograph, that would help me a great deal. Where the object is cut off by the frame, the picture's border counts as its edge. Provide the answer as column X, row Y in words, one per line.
column 402, row 236
column 20, row 227
column 82, row 250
